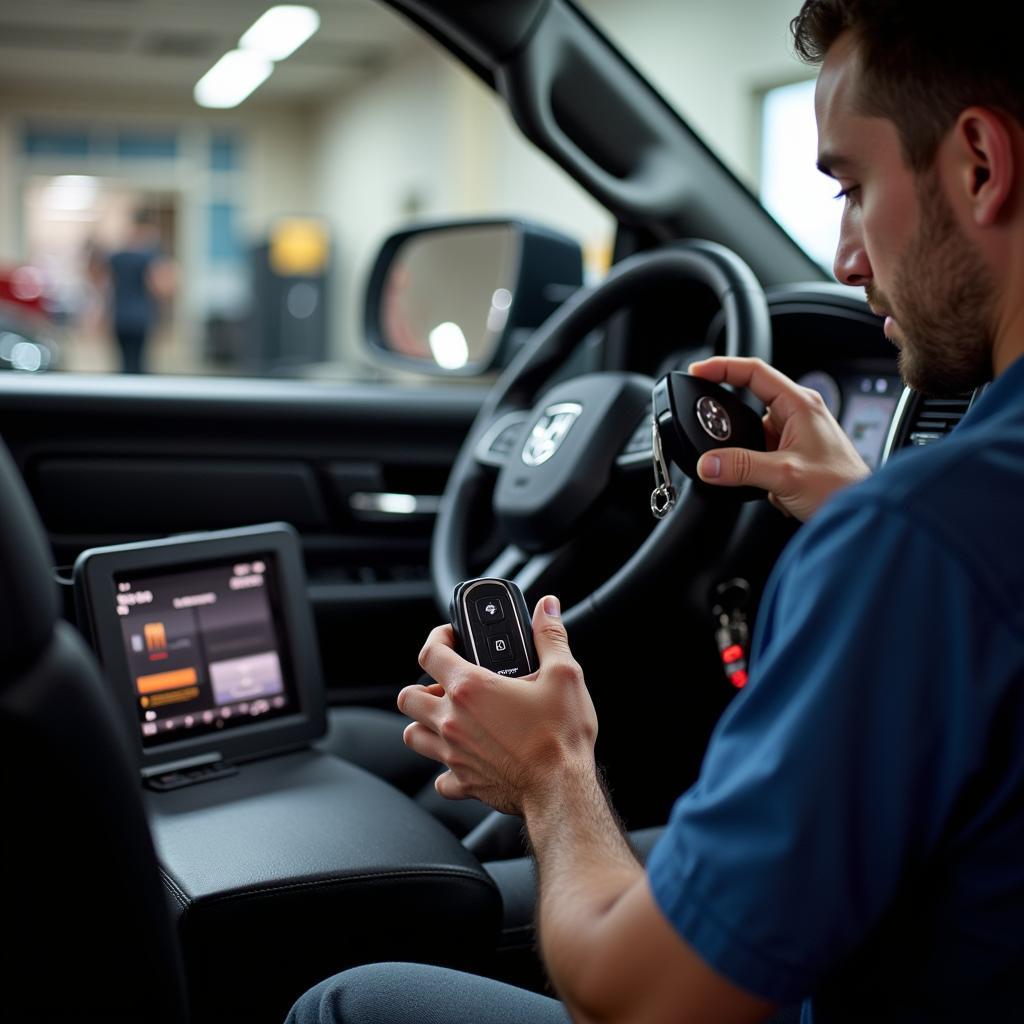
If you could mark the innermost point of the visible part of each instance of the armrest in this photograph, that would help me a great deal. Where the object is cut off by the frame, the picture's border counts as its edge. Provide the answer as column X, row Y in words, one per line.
column 303, row 865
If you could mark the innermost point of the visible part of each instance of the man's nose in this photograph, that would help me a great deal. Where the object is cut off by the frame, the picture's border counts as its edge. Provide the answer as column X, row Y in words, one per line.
column 851, row 265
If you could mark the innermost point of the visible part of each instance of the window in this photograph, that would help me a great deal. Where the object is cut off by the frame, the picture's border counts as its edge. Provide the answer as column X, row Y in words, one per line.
column 793, row 190
column 718, row 64
column 364, row 129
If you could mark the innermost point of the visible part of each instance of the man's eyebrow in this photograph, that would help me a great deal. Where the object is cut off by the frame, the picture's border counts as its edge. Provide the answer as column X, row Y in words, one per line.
column 833, row 163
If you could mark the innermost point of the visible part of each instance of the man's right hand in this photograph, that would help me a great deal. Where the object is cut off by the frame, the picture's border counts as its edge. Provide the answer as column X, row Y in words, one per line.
column 809, row 457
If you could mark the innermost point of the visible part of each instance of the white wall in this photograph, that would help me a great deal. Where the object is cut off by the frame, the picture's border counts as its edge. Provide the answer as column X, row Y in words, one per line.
column 280, row 172
column 515, row 179
column 425, row 140
column 381, row 156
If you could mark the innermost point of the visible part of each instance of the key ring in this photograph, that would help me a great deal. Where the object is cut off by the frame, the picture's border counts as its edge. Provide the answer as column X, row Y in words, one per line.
column 663, row 497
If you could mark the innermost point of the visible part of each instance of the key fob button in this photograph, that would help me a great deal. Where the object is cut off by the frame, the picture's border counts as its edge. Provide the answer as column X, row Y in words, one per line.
column 501, row 648
column 489, row 609
column 493, row 627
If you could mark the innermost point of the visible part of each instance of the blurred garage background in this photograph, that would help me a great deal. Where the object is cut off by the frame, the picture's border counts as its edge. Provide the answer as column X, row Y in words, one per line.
column 268, row 209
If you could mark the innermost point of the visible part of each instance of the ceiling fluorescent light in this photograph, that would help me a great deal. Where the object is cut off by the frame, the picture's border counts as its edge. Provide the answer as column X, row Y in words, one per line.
column 279, row 32
column 232, row 78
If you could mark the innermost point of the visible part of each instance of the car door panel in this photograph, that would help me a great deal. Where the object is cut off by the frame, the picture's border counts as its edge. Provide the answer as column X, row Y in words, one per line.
column 358, row 470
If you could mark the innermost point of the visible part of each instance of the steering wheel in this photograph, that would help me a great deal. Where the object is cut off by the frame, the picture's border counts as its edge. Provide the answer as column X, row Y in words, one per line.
column 558, row 450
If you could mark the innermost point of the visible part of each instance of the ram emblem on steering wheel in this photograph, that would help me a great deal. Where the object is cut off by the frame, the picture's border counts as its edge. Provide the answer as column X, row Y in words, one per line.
column 549, row 432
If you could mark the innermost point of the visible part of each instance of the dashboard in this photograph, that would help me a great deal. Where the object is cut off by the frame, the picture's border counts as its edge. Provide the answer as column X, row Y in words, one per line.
column 823, row 336
column 827, row 339
column 864, row 404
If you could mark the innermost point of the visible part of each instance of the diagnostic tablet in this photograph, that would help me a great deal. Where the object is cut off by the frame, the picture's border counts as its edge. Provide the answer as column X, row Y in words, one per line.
column 209, row 642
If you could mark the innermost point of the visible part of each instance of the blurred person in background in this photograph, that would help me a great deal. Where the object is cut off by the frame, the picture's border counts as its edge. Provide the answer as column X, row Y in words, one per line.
column 141, row 282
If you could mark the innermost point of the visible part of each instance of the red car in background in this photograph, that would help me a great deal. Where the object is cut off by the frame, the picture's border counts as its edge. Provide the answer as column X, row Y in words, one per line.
column 25, row 344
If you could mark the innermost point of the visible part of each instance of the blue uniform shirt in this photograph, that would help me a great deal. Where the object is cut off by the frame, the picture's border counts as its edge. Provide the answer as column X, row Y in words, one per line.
column 857, row 830
column 134, row 308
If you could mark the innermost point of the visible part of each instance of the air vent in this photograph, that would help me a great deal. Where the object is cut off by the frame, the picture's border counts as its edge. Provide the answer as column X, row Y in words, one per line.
column 934, row 418
column 921, row 421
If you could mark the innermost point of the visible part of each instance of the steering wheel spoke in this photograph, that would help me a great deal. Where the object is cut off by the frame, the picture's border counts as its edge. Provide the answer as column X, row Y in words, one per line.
column 536, row 574
column 507, row 564
column 501, row 439
column 540, row 574
column 636, row 454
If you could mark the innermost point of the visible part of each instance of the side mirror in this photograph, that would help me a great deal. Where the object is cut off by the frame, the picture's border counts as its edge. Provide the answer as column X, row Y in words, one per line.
column 461, row 297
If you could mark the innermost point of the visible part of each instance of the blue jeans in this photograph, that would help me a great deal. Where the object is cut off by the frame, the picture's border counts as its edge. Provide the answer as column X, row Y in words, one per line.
column 417, row 994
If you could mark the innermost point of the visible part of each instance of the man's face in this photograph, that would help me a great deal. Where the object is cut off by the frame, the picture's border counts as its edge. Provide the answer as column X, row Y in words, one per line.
column 900, row 241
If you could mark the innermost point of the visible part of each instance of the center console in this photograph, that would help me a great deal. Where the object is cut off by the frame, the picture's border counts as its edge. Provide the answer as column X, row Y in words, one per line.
column 283, row 864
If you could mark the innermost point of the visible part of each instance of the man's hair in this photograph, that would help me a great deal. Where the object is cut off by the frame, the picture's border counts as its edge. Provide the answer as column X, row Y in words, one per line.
column 920, row 66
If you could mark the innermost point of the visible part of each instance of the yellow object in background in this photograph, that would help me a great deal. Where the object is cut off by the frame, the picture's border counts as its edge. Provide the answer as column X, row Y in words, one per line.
column 298, row 246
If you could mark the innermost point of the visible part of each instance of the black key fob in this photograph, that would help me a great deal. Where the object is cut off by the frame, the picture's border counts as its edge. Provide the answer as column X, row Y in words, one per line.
column 695, row 416
column 493, row 627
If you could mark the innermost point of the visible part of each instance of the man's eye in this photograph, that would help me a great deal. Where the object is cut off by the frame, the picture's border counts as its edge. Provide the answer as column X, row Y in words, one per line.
column 846, row 193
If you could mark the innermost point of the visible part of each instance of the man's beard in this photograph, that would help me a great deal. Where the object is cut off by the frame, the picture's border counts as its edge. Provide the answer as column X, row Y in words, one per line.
column 943, row 300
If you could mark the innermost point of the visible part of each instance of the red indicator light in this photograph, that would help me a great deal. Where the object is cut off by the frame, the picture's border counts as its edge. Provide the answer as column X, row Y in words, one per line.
column 738, row 679
column 731, row 654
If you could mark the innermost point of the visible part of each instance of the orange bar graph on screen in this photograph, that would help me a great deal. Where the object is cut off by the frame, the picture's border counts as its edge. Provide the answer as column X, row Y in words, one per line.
column 165, row 680
column 156, row 636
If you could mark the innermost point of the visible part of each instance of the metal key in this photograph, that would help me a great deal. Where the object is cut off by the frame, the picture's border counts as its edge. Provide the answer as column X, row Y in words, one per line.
column 663, row 497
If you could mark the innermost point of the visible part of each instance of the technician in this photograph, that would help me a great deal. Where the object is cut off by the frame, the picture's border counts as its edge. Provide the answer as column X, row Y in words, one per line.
column 856, row 836
column 141, row 279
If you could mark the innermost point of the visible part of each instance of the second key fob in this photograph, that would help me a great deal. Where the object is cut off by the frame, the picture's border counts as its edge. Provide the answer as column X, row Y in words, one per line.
column 493, row 626
column 695, row 416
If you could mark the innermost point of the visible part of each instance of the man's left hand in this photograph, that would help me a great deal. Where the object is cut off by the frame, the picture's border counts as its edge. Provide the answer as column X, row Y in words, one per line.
column 504, row 740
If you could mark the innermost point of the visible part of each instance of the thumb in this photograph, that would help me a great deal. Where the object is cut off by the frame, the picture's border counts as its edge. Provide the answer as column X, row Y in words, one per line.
column 739, row 467
column 549, row 634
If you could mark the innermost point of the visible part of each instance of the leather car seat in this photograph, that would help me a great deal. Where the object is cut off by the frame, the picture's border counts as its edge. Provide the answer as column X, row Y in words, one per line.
column 87, row 926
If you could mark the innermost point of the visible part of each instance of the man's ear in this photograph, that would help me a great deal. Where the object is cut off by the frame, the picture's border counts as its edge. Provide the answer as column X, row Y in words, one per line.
column 987, row 164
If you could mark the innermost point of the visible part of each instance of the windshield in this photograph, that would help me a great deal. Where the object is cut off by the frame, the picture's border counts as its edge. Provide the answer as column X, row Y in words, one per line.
column 149, row 222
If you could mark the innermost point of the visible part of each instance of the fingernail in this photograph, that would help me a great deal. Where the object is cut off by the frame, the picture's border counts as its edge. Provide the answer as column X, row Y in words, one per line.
column 551, row 607
column 710, row 467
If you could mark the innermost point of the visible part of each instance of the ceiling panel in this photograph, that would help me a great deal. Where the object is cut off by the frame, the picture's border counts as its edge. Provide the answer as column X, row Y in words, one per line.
column 159, row 48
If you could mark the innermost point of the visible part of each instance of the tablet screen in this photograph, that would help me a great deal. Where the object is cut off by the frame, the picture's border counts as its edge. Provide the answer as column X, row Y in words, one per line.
column 204, row 647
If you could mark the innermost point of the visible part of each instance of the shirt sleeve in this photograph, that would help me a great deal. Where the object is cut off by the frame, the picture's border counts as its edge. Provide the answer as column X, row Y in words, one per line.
column 833, row 773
